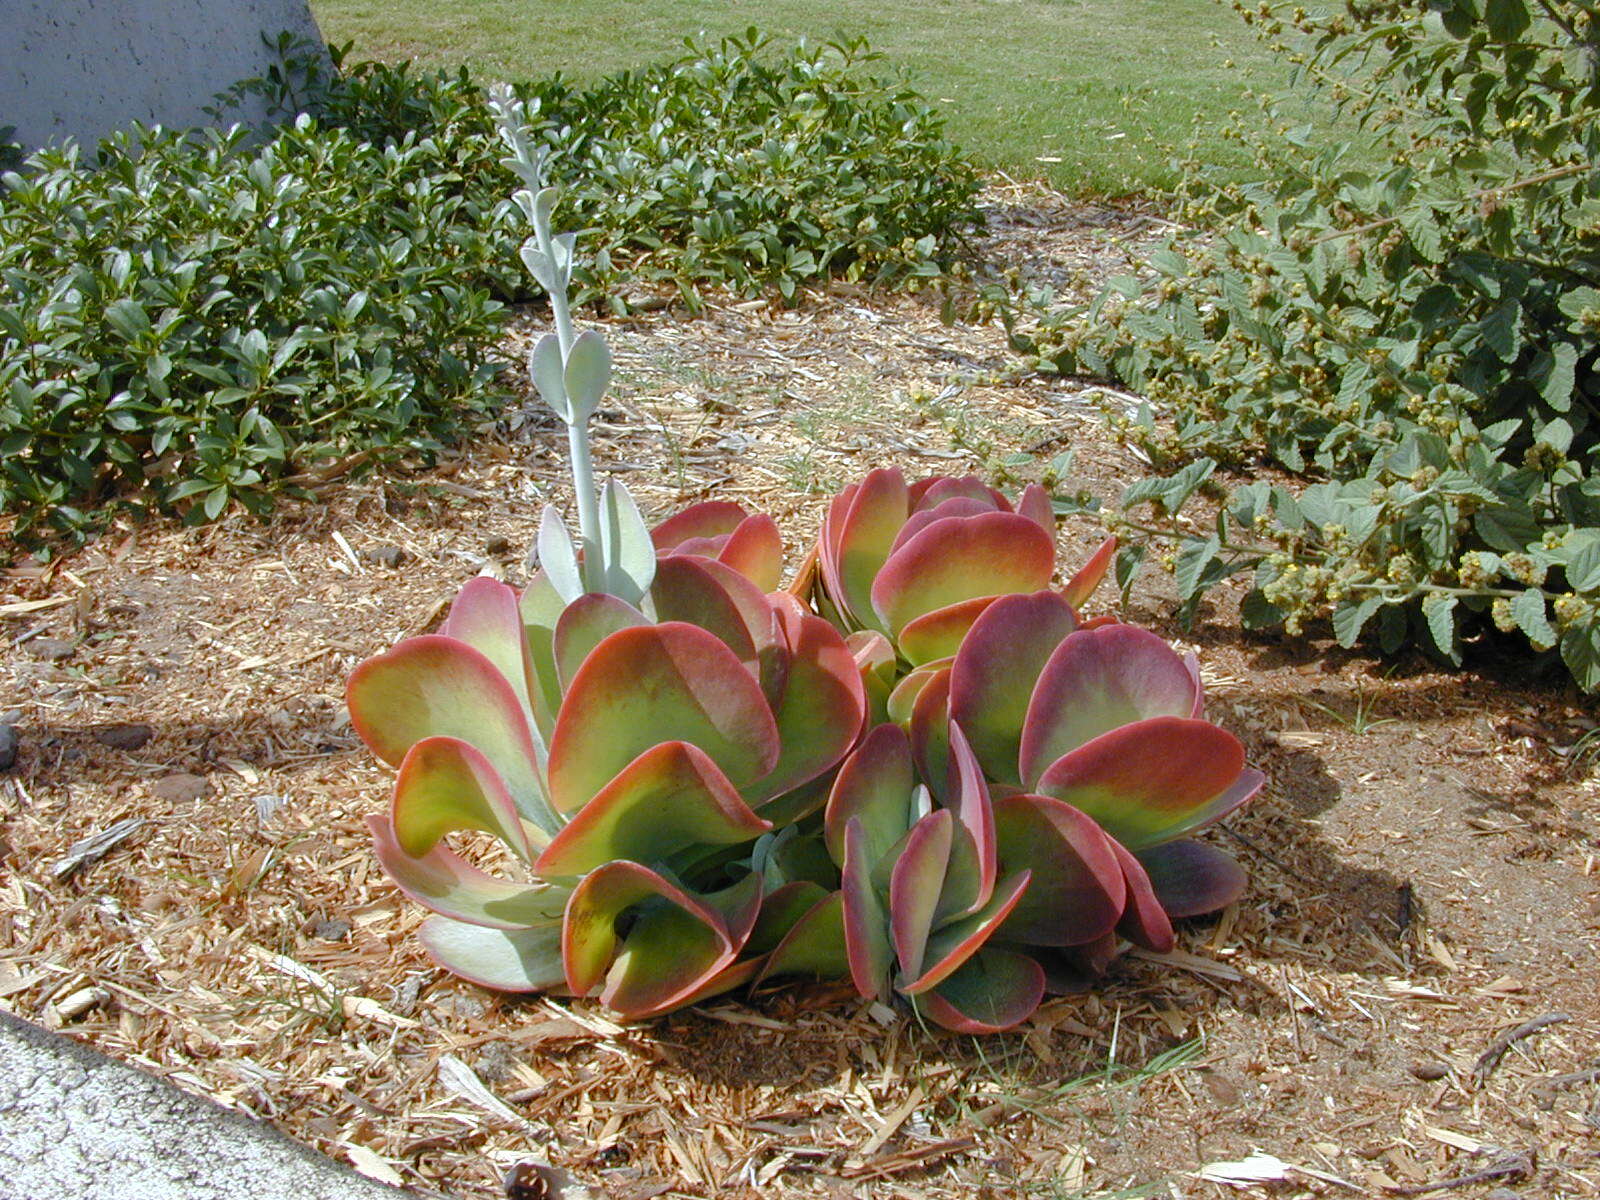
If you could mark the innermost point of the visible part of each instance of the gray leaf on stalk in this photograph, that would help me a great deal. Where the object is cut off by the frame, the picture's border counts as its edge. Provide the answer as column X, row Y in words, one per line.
column 557, row 556
column 588, row 371
column 625, row 545
column 544, row 204
column 548, row 375
column 542, row 268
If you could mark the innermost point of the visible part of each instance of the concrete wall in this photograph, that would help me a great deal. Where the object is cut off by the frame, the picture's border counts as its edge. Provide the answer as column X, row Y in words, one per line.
column 81, row 68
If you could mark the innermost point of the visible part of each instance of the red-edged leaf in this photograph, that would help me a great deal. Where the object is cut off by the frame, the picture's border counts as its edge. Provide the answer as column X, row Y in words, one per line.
column 661, row 683
column 685, row 589
column 969, row 881
column 1078, row 888
column 450, row 885
column 822, row 707
column 1095, row 681
column 902, row 700
column 673, row 944
column 1191, row 878
column 705, row 520
column 540, row 607
column 485, row 615
column 814, row 945
column 862, row 537
column 875, row 659
column 930, row 733
column 512, row 960
column 781, row 910
column 436, row 686
column 932, row 492
column 1034, row 503
column 1154, row 781
column 994, row 990
column 994, row 673
column 584, row 624
column 866, row 923
column 954, row 508
column 873, row 785
column 914, row 887
column 952, row 561
column 954, row 944
column 1143, row 922
column 755, row 550
column 938, row 634
column 447, row 784
column 670, row 797
column 1082, row 585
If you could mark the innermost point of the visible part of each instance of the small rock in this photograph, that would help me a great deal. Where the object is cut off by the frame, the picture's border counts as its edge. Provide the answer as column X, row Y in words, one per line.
column 496, row 546
column 496, row 1062
column 8, row 747
column 1430, row 1070
column 331, row 929
column 52, row 649
column 124, row 737
column 385, row 556
column 177, row 789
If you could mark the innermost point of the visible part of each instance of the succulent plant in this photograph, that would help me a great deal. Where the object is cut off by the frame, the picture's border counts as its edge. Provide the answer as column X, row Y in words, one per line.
column 682, row 780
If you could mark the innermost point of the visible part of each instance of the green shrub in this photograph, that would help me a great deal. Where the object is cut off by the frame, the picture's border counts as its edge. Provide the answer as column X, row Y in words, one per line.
column 1420, row 339
column 201, row 320
column 725, row 167
column 204, row 317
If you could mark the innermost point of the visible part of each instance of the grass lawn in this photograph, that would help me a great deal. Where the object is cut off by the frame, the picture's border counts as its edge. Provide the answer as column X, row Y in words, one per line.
column 1110, row 88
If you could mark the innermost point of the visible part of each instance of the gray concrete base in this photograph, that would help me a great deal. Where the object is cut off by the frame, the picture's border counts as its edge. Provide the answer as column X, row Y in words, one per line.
column 76, row 1125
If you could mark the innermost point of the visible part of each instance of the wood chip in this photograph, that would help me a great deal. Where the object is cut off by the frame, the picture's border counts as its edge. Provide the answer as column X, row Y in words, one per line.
column 96, row 846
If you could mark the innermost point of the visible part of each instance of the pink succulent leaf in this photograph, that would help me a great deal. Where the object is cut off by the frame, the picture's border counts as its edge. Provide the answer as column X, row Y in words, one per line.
column 1082, row 585
column 950, row 946
column 1154, row 781
column 781, row 910
column 902, row 700
column 712, row 518
column 877, row 510
column 874, row 787
column 820, row 712
column 1034, row 503
column 1191, row 662
column 1095, row 681
column 670, row 797
column 970, row 880
column 485, row 615
column 451, row 886
column 685, row 590
column 930, row 734
column 740, row 973
column 1143, row 922
column 952, row 561
column 866, row 921
column 875, row 659
column 994, row 990
column 584, row 624
column 954, row 507
column 994, row 673
column 674, row 944
column 755, row 550
column 827, row 551
column 446, row 784
column 1078, row 888
column 814, row 944
column 914, row 887
column 969, row 487
column 511, row 960
column 1191, row 878
column 938, row 634
column 436, row 686
column 660, row 683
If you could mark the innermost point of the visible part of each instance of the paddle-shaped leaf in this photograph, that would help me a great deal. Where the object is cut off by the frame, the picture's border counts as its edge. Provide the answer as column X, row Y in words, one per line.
column 1143, row 922
column 1095, row 681
column 1191, row 878
column 914, row 888
column 450, row 885
column 1154, row 781
column 866, row 932
column 587, row 371
column 512, row 960
column 625, row 546
column 446, row 784
column 659, row 683
column 859, row 542
column 670, row 797
column 994, row 673
column 584, row 624
column 873, row 786
column 953, row 561
column 821, row 709
column 1078, row 890
column 992, row 991
column 484, row 615
column 1082, row 585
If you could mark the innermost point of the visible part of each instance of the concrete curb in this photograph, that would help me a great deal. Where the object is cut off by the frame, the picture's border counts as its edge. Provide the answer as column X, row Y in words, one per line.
column 76, row 1125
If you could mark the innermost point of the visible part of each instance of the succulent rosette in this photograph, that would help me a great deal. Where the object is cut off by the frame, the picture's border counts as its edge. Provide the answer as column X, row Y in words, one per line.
column 613, row 750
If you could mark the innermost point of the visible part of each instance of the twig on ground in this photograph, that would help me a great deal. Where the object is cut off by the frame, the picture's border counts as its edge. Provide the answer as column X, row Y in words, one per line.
column 1518, row 1164
column 1490, row 1058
